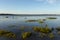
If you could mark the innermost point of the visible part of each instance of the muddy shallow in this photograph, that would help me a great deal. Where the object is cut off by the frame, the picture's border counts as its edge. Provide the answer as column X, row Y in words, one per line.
column 16, row 23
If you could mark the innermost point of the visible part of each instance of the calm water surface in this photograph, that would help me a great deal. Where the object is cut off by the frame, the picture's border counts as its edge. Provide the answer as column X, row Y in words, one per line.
column 19, row 21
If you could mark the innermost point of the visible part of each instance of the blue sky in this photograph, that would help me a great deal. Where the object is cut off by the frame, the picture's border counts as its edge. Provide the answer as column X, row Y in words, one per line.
column 30, row 6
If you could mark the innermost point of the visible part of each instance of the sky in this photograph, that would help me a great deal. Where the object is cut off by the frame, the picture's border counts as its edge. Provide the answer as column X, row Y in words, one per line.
column 30, row 6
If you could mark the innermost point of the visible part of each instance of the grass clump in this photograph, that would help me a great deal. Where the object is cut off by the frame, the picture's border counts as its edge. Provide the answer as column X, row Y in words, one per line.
column 58, row 28
column 58, row 32
column 26, row 35
column 42, row 29
column 40, row 21
column 36, row 29
column 8, row 34
column 45, row 30
column 51, row 35
column 31, row 20
column 52, row 18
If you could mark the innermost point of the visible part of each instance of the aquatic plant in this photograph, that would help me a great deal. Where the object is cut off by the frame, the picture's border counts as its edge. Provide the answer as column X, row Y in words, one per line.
column 7, row 34
column 2, row 32
column 36, row 29
column 40, row 21
column 10, row 35
column 51, row 35
column 41, row 35
column 42, row 29
column 45, row 30
column 31, row 21
column 58, row 32
column 26, row 35
column 44, row 19
column 58, row 28
column 51, row 18
column 22, row 28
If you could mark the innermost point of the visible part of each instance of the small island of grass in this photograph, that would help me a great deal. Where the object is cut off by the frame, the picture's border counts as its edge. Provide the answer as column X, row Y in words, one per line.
column 51, row 18
column 42, row 29
column 31, row 20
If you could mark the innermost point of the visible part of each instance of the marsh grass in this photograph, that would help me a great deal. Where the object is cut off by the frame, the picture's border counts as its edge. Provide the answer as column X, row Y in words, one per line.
column 7, row 34
column 40, row 20
column 51, row 18
column 31, row 21
column 26, row 35
column 51, row 35
column 58, row 28
column 58, row 32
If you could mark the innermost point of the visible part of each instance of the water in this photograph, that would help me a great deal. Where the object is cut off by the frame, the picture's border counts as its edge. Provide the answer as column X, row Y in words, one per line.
column 19, row 21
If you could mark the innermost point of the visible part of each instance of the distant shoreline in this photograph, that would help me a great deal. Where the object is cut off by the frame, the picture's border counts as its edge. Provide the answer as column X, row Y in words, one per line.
column 31, row 14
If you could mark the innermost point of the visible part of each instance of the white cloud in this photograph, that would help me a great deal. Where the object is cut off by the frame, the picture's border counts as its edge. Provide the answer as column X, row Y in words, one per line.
column 48, row 1
column 51, row 1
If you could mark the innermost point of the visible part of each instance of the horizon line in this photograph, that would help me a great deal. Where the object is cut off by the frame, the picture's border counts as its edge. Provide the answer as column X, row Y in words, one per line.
column 32, row 14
